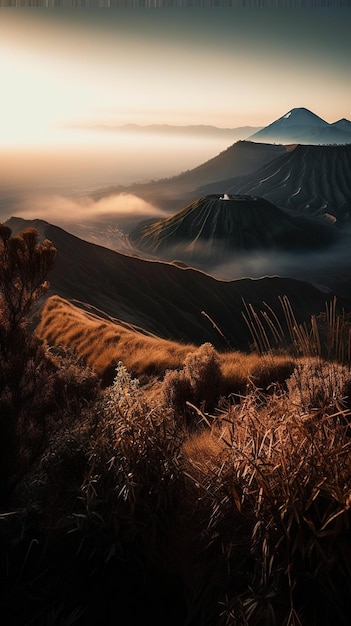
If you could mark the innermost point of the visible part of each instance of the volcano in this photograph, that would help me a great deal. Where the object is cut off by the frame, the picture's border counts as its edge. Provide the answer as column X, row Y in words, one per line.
column 309, row 180
column 215, row 226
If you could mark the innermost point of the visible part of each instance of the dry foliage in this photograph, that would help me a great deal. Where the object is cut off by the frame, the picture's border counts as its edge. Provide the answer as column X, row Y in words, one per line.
column 228, row 472
column 275, row 482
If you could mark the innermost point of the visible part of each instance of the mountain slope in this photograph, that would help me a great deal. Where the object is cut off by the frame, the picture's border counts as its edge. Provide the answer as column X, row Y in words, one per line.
column 308, row 179
column 239, row 159
column 174, row 303
column 214, row 227
column 304, row 127
column 343, row 124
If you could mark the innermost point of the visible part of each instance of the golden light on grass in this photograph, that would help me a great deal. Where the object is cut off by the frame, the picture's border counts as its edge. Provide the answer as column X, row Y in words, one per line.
column 101, row 344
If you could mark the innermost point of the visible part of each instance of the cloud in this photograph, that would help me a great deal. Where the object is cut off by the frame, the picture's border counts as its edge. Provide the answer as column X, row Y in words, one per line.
column 59, row 210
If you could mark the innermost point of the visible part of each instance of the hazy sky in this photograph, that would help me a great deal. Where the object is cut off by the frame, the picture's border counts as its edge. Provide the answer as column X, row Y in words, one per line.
column 226, row 67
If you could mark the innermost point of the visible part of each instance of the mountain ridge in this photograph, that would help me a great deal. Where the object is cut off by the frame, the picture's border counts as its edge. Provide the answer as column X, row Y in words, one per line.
column 186, row 305
column 236, row 133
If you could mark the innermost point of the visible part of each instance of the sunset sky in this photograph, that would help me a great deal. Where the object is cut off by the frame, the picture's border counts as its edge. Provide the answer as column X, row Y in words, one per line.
column 224, row 67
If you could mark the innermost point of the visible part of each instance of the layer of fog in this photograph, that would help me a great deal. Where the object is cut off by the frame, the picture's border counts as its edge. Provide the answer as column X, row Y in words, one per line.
column 328, row 269
column 54, row 183
column 105, row 222
column 109, row 221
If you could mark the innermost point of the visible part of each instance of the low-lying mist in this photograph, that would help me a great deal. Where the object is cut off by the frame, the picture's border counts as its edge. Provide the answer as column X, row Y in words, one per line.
column 109, row 220
column 62, row 209
column 105, row 222
column 55, row 182
column 328, row 268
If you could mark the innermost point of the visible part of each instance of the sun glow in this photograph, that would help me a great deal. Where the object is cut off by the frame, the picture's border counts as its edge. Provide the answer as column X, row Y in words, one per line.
column 38, row 98
column 25, row 119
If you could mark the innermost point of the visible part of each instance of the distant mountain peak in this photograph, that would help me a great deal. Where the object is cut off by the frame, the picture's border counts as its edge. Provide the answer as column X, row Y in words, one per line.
column 299, row 116
column 300, row 125
column 343, row 124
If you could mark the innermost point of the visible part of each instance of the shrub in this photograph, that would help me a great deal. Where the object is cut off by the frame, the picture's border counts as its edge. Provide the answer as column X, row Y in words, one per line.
column 199, row 383
column 202, row 369
column 25, row 373
column 176, row 391
column 316, row 384
column 75, row 385
column 132, row 475
column 24, row 267
column 107, row 488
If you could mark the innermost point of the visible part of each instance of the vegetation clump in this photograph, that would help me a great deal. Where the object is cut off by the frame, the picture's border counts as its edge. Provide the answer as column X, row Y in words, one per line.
column 214, row 489
column 278, row 508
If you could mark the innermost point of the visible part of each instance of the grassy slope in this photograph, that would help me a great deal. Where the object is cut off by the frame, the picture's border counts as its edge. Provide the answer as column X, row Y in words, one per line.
column 233, row 510
column 265, row 481
column 102, row 344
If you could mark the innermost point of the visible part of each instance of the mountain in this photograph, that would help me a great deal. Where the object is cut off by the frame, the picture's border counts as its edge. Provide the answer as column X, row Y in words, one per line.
column 311, row 180
column 214, row 228
column 297, row 126
column 343, row 124
column 161, row 298
column 192, row 130
column 304, row 127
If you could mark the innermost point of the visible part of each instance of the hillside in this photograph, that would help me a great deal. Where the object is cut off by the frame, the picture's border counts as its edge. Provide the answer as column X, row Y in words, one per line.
column 174, row 303
column 103, row 343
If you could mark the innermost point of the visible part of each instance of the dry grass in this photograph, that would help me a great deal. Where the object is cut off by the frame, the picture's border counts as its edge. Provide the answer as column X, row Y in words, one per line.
column 327, row 335
column 232, row 471
column 286, row 475
column 102, row 344
column 227, row 472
